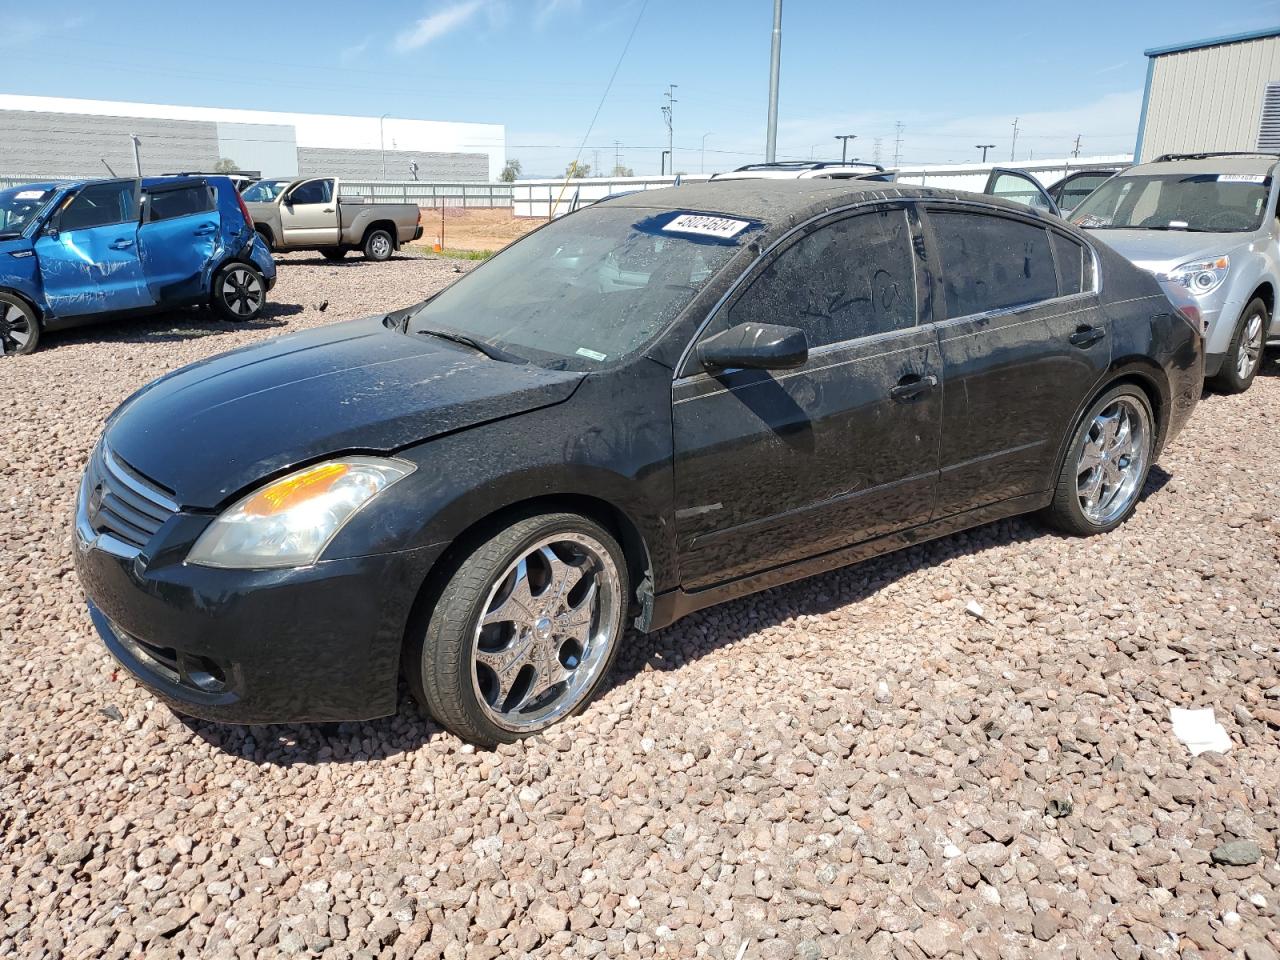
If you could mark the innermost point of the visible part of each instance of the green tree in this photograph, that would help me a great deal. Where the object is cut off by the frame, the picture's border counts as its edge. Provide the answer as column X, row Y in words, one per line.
column 511, row 171
column 577, row 170
column 621, row 171
column 226, row 165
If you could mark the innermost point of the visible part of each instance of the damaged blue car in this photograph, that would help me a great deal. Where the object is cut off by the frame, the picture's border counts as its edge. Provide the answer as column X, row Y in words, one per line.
column 77, row 252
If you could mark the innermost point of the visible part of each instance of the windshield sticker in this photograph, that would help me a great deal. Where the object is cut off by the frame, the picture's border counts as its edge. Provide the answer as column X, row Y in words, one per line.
column 29, row 194
column 590, row 354
column 722, row 227
column 1090, row 220
column 1241, row 178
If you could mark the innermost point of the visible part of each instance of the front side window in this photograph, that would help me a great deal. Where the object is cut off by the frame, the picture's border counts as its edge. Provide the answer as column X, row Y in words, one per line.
column 100, row 205
column 590, row 288
column 849, row 279
column 313, row 191
column 170, row 204
column 1193, row 202
column 19, row 206
column 265, row 191
column 992, row 263
column 1019, row 189
column 1076, row 189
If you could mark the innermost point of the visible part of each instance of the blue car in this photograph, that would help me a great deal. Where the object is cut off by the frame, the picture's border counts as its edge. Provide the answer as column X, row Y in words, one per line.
column 77, row 252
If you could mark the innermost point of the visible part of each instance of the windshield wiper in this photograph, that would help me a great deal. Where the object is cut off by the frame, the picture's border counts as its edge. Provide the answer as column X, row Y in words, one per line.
column 488, row 349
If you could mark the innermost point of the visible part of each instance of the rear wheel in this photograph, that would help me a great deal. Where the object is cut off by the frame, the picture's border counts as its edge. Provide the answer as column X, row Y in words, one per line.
column 19, row 325
column 378, row 245
column 267, row 240
column 333, row 253
column 1106, row 465
column 239, row 292
column 524, row 632
column 1244, row 356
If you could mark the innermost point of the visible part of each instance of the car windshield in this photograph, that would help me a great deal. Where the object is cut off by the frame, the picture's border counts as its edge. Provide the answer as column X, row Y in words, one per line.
column 265, row 191
column 590, row 288
column 19, row 206
column 1196, row 202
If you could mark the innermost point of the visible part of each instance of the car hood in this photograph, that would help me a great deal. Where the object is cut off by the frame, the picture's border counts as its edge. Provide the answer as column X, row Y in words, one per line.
column 208, row 431
column 1161, row 250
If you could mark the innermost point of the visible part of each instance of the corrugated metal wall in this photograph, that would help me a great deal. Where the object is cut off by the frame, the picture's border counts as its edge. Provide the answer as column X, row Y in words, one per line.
column 1210, row 98
column 75, row 144
column 367, row 164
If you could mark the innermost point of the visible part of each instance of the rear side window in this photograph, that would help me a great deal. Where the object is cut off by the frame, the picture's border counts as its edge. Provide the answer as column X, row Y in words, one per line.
column 1069, row 257
column 849, row 279
column 992, row 263
column 100, row 205
column 170, row 204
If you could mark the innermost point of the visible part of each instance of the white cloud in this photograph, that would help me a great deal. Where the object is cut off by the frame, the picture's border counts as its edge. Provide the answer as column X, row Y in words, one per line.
column 551, row 8
column 348, row 55
column 436, row 25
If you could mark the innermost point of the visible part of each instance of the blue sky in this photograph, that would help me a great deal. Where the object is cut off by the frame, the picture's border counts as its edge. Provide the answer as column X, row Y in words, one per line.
column 953, row 74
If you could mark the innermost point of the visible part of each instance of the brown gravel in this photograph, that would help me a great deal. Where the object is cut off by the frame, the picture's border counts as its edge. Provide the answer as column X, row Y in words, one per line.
column 853, row 766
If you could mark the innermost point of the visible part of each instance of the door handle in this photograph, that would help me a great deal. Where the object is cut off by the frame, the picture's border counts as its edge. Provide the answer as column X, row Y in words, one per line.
column 1086, row 336
column 912, row 386
column 327, row 210
column 204, row 230
column 121, row 244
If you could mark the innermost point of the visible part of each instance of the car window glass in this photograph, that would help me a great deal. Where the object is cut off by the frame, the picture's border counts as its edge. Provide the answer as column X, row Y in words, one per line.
column 169, row 204
column 1069, row 257
column 1077, row 188
column 1009, row 186
column 314, row 191
column 991, row 263
column 848, row 279
column 99, row 205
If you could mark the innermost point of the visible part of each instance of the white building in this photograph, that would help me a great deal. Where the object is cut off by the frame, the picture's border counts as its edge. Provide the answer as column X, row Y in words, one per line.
column 60, row 137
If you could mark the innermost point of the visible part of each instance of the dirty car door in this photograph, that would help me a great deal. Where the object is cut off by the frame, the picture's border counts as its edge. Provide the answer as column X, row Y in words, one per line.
column 776, row 466
column 88, row 252
column 178, row 239
column 309, row 214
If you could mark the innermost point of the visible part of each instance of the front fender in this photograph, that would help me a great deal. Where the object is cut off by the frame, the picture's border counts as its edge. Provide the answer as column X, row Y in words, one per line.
column 20, row 274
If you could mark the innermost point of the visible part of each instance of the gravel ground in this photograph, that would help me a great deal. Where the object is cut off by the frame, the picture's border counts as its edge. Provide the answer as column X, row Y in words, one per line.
column 852, row 766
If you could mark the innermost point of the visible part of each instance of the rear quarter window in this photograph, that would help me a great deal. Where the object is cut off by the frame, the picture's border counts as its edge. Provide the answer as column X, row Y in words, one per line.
column 991, row 262
column 1069, row 257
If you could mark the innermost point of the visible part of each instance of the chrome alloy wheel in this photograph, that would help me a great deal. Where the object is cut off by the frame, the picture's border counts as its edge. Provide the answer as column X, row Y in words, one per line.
column 1250, row 346
column 546, row 632
column 15, row 328
column 241, row 291
column 1113, row 460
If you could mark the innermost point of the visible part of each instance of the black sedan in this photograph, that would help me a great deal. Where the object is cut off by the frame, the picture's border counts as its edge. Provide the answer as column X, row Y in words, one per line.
column 655, row 404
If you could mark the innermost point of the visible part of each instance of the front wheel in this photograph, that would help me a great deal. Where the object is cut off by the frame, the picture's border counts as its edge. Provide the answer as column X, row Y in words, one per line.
column 1244, row 356
column 524, row 632
column 333, row 253
column 239, row 292
column 19, row 326
column 378, row 245
column 1106, row 465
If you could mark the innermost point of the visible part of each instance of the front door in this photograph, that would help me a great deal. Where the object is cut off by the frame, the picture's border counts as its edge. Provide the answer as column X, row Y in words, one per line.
column 1023, row 342
column 776, row 466
column 309, row 214
column 1021, row 187
column 178, row 240
column 88, row 252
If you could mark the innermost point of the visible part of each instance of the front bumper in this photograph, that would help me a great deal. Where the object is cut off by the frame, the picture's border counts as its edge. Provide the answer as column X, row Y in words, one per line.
column 319, row 643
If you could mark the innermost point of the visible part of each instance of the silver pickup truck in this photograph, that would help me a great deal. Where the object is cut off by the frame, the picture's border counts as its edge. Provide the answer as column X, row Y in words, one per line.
column 311, row 214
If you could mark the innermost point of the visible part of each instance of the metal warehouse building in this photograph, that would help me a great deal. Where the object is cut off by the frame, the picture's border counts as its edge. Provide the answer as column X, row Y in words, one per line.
column 1217, row 94
column 56, row 137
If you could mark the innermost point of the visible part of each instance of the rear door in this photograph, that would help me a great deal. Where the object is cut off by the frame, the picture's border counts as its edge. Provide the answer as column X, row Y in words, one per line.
column 1023, row 342
column 1020, row 187
column 772, row 467
column 178, row 239
column 309, row 214
column 88, row 252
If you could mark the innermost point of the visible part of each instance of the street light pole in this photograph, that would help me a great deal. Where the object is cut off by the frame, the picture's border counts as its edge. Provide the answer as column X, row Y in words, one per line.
column 702, row 164
column 775, row 64
column 137, row 154
column 844, row 139
column 382, row 143
column 984, row 147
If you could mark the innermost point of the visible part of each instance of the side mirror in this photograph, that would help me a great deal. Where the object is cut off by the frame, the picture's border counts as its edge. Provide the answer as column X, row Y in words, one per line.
column 50, row 230
column 758, row 346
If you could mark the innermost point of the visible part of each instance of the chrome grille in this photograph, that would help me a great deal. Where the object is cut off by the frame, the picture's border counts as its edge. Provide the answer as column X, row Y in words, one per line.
column 121, row 502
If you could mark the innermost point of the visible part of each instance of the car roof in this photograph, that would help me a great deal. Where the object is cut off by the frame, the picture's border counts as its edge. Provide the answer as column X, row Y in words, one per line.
column 780, row 204
column 1255, row 164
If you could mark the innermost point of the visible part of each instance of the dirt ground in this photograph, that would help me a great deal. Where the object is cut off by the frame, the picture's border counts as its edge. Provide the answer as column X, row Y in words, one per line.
column 474, row 228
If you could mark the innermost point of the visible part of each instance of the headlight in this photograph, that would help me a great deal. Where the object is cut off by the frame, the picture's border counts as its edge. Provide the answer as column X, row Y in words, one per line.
column 290, row 521
column 1200, row 277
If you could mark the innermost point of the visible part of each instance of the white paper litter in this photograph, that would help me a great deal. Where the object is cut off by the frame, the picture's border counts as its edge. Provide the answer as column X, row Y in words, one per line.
column 1199, row 730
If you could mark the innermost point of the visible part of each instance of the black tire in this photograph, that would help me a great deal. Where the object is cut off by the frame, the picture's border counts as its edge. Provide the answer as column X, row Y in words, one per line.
column 333, row 253
column 440, row 653
column 19, row 326
column 239, row 292
column 1067, row 511
column 379, row 245
column 266, row 239
column 1246, row 350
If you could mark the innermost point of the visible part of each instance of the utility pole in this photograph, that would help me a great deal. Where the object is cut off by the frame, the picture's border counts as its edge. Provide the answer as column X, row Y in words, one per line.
column 775, row 65
column 844, row 139
column 897, row 144
column 667, row 114
column 1014, row 145
column 595, row 159
column 1076, row 150
column 875, row 151
column 702, row 164
column 137, row 153
column 617, row 156
column 382, row 144
column 984, row 147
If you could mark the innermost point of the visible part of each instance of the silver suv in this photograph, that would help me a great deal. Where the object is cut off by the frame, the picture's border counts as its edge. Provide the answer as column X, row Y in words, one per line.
column 1205, row 223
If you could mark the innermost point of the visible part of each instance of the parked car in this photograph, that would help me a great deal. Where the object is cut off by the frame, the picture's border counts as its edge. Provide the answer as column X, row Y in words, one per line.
column 1070, row 191
column 311, row 214
column 809, row 170
column 1061, row 198
column 76, row 252
column 239, row 179
column 638, row 410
